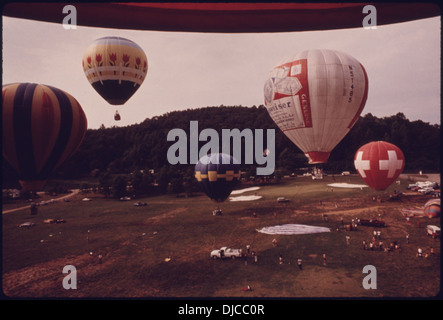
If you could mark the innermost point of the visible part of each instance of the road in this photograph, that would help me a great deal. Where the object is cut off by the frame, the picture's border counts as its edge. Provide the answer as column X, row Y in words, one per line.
column 74, row 192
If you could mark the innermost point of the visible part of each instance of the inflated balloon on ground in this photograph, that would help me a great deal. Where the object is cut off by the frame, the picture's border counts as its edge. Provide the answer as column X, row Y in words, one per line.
column 379, row 163
column 217, row 175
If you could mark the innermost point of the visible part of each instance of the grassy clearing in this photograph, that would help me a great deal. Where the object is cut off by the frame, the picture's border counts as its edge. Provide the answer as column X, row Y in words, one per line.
column 134, row 242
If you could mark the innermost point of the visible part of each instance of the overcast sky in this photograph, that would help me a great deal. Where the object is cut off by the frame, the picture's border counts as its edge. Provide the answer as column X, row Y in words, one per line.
column 193, row 70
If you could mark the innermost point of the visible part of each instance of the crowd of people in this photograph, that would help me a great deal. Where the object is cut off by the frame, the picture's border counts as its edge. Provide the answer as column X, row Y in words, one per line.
column 376, row 243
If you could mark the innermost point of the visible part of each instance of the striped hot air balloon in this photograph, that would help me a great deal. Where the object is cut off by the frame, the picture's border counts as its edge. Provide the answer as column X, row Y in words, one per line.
column 217, row 175
column 42, row 126
column 432, row 208
column 315, row 97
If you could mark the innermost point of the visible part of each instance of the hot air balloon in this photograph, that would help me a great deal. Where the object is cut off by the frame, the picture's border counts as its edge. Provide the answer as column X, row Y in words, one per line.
column 217, row 174
column 379, row 163
column 42, row 126
column 432, row 208
column 115, row 67
column 315, row 97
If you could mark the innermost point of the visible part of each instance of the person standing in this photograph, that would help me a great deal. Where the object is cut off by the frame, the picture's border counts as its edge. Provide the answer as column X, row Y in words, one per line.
column 324, row 259
column 274, row 242
column 299, row 263
column 34, row 208
column 254, row 256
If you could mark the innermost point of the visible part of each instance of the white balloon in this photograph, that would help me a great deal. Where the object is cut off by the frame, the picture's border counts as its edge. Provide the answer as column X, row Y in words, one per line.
column 315, row 97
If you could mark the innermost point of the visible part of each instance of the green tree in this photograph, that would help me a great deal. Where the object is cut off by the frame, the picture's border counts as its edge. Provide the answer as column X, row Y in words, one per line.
column 119, row 186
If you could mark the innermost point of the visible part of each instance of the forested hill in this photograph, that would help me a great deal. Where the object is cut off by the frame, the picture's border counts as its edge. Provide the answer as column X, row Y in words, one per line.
column 145, row 145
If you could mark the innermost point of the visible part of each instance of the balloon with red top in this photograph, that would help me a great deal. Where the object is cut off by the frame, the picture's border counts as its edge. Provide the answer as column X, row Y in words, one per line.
column 379, row 163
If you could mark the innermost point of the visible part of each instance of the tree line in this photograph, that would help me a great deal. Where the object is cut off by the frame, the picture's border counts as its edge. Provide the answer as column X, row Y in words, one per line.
column 139, row 152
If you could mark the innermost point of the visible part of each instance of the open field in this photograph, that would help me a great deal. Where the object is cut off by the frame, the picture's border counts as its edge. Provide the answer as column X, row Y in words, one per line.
column 134, row 242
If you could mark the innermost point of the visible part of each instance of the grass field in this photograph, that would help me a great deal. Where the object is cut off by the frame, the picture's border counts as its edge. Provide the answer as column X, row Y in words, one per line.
column 134, row 242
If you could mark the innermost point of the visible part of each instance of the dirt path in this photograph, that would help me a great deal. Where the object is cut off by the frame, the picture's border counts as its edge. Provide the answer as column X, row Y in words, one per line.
column 73, row 193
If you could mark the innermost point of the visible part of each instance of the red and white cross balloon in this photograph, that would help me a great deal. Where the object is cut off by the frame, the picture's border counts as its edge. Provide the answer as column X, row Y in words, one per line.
column 379, row 163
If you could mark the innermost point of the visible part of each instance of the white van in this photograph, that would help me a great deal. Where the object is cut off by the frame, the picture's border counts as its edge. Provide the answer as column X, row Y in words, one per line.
column 433, row 231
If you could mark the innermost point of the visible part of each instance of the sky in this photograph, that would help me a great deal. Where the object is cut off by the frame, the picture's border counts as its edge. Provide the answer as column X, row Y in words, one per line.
column 195, row 70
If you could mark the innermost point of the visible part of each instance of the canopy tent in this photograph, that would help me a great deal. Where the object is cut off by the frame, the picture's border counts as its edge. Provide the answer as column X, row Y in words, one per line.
column 222, row 17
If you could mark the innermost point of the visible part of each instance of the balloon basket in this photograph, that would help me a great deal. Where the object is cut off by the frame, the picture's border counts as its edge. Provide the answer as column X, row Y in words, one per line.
column 117, row 116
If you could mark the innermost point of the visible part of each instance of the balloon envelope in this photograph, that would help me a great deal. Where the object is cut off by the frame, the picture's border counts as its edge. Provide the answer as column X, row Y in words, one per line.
column 222, row 17
column 42, row 126
column 217, row 175
column 115, row 67
column 432, row 208
column 315, row 97
column 379, row 163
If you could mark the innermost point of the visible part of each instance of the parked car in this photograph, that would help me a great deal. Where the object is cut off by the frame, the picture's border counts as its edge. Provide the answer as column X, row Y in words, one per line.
column 140, row 204
column 225, row 252
column 282, row 199
column 372, row 223
column 436, row 194
column 425, row 190
column 27, row 225
column 396, row 195
column 433, row 231
column 217, row 212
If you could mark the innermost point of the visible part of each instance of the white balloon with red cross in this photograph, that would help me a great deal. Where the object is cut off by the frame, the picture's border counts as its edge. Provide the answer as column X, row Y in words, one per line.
column 379, row 163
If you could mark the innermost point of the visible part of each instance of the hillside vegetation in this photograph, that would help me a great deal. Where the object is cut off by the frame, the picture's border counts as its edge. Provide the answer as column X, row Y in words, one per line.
column 141, row 149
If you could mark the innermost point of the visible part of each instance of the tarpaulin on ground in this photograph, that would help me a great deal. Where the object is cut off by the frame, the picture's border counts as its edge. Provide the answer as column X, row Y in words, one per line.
column 291, row 229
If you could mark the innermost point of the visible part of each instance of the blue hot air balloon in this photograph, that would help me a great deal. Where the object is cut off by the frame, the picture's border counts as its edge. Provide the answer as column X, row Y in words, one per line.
column 217, row 174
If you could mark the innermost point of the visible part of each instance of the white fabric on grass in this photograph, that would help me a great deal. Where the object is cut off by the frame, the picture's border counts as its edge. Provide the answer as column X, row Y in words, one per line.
column 290, row 229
